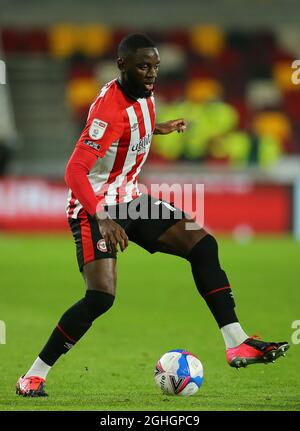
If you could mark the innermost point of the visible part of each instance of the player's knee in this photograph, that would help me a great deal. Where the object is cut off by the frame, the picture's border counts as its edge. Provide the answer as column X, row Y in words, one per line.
column 205, row 252
column 98, row 302
column 102, row 284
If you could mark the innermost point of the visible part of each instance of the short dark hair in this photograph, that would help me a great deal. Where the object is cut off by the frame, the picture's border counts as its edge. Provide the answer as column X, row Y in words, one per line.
column 131, row 43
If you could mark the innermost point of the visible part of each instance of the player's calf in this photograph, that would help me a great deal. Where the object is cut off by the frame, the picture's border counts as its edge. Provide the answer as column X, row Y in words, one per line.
column 212, row 281
column 74, row 323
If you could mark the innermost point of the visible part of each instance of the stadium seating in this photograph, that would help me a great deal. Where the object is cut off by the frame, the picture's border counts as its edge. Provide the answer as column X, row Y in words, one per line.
column 207, row 40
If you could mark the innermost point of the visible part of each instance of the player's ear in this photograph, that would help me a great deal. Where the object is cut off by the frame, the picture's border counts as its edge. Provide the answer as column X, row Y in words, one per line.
column 121, row 64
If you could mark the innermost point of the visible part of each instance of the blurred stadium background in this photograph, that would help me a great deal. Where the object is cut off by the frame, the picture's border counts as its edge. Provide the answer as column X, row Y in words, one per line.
column 226, row 66
column 227, row 70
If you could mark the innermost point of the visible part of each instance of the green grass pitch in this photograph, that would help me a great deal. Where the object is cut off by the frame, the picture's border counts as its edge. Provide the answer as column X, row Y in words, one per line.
column 157, row 309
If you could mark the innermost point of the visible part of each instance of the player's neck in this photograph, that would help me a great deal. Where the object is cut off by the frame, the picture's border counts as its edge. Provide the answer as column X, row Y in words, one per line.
column 124, row 87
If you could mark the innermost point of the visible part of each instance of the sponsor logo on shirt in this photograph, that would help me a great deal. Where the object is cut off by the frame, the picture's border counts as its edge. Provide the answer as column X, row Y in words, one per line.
column 97, row 128
column 92, row 144
column 143, row 144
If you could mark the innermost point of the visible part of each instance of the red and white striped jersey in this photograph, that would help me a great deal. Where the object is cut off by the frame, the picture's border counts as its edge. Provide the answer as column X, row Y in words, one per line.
column 119, row 131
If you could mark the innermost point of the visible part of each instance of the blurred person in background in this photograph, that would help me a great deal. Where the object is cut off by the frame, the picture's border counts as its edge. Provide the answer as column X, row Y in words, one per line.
column 6, row 152
column 9, row 139
column 102, row 175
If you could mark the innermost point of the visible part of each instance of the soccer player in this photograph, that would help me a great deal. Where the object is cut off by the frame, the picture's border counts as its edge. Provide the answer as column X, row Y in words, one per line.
column 103, row 199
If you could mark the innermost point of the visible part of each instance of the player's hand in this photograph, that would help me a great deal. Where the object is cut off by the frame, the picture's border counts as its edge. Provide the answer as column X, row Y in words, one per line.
column 170, row 126
column 112, row 233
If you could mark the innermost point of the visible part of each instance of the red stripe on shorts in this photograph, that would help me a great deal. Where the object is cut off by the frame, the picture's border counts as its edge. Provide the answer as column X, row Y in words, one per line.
column 86, row 240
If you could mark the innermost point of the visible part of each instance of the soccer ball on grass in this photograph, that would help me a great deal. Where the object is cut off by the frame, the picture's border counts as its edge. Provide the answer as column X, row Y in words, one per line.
column 179, row 372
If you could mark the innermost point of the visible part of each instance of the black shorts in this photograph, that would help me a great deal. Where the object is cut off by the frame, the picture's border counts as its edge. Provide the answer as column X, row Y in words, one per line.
column 144, row 220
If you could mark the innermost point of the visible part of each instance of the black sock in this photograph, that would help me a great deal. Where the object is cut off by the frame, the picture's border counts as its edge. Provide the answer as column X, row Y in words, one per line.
column 74, row 324
column 211, row 281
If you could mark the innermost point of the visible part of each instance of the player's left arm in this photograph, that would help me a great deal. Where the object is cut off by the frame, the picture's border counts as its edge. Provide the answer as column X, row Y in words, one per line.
column 170, row 126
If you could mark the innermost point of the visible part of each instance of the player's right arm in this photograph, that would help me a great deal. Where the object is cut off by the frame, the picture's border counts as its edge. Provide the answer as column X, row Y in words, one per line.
column 100, row 132
column 78, row 167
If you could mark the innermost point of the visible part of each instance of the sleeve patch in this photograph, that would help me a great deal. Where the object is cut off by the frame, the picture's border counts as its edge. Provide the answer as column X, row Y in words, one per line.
column 92, row 144
column 97, row 128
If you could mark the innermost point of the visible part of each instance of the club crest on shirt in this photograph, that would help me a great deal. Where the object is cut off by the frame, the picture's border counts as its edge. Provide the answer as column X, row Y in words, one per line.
column 97, row 128
column 101, row 245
